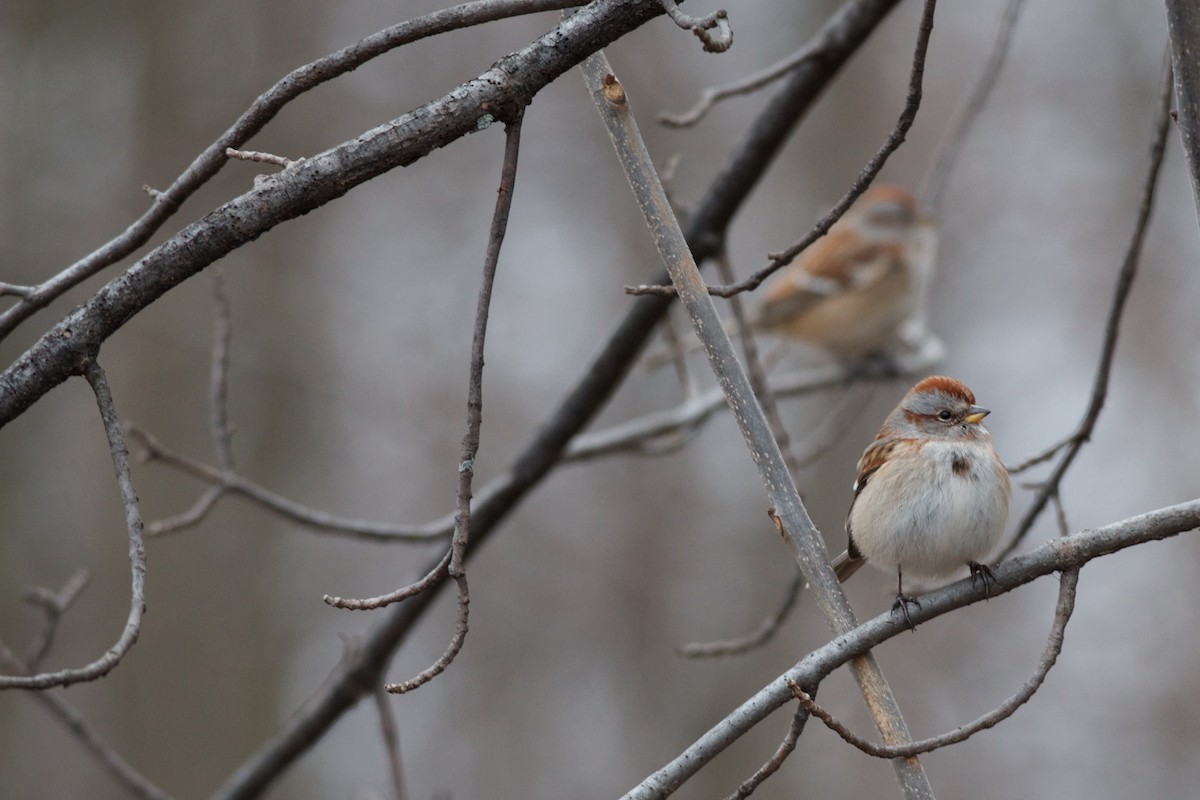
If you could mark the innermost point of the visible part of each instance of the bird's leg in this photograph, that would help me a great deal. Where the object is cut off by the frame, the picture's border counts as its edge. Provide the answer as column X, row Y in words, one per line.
column 982, row 572
column 902, row 600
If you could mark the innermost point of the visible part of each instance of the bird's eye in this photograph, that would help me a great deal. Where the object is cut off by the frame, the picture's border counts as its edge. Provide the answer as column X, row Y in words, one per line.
column 944, row 415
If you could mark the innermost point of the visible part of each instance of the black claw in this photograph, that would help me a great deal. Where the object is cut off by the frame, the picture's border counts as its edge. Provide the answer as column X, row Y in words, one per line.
column 982, row 572
column 901, row 605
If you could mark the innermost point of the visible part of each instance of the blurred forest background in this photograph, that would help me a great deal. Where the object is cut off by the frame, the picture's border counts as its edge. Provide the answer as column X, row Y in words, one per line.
column 351, row 342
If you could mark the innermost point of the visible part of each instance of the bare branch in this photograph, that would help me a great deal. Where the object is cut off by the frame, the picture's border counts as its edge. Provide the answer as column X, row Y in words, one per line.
column 452, row 650
column 470, row 443
column 234, row 483
column 1112, row 325
column 1057, row 555
column 260, row 157
column 752, row 83
column 763, row 634
column 497, row 94
column 842, row 34
column 391, row 743
column 964, row 120
column 894, row 140
column 1183, row 22
column 218, row 381
column 53, row 606
column 120, row 769
column 787, row 509
column 137, row 553
column 432, row 578
column 253, row 120
column 1062, row 614
column 795, row 728
column 703, row 27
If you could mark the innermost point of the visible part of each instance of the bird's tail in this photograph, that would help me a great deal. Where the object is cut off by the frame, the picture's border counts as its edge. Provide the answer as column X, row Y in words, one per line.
column 846, row 565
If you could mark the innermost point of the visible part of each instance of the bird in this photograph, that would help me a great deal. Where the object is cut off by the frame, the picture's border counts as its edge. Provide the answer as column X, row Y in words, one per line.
column 931, row 494
column 851, row 292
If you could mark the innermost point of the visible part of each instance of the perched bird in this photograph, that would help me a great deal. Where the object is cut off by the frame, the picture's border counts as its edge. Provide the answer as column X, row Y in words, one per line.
column 931, row 494
column 853, row 289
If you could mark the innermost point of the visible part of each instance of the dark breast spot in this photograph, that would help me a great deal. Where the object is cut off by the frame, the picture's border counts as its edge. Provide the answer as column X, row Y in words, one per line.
column 960, row 465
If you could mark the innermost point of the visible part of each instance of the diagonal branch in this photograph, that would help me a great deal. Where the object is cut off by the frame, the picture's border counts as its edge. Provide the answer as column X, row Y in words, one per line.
column 786, row 508
column 498, row 94
column 253, row 120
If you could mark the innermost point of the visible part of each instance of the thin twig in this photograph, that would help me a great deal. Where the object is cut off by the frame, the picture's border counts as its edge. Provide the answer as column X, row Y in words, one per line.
column 120, row 769
column 772, row 765
column 451, row 651
column 391, row 743
column 470, row 443
column 752, row 83
column 778, row 260
column 786, row 508
column 261, row 158
column 432, row 578
column 311, row 518
column 763, row 634
column 1062, row 614
column 703, row 27
column 754, row 368
column 137, row 553
column 218, row 380
column 1112, row 325
column 53, row 606
column 964, row 120
column 253, row 120
column 1057, row 555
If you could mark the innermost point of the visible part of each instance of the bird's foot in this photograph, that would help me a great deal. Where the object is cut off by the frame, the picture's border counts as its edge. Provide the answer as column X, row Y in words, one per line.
column 982, row 572
column 901, row 605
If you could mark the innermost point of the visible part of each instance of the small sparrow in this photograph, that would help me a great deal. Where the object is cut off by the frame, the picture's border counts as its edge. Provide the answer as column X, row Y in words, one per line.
column 931, row 494
column 851, row 292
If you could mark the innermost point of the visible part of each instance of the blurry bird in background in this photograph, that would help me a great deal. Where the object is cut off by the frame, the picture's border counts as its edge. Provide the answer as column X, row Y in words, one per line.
column 859, row 291
column 863, row 286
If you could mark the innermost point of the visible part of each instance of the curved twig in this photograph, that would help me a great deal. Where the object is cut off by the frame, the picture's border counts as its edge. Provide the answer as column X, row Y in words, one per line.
column 772, row 765
column 1062, row 614
column 137, row 553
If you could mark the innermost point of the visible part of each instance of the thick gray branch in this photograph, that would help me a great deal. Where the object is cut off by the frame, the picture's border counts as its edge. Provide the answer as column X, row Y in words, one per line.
column 496, row 95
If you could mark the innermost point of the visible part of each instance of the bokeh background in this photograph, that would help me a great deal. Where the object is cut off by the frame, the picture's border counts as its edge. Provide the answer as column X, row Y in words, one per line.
column 348, row 381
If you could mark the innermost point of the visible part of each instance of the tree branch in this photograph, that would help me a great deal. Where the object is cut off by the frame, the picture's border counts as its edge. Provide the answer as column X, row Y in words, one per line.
column 1056, row 555
column 786, row 508
column 137, row 553
column 253, row 120
column 498, row 94
column 841, row 35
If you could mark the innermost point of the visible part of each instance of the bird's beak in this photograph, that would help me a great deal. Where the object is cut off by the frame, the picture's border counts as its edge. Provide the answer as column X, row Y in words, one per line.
column 977, row 414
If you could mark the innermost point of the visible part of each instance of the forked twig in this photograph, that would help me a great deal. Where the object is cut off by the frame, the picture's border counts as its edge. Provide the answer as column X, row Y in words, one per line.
column 94, row 374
